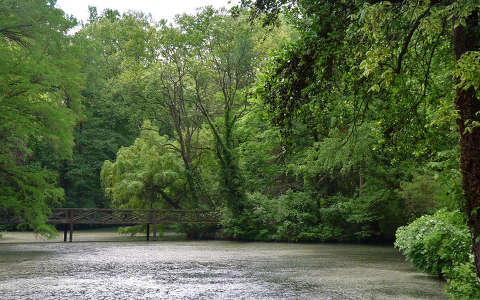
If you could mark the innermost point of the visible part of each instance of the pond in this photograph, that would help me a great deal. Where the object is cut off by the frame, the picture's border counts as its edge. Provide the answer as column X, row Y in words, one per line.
column 208, row 270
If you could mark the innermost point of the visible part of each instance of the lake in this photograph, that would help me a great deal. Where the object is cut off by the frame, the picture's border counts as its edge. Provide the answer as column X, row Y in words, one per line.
column 126, row 269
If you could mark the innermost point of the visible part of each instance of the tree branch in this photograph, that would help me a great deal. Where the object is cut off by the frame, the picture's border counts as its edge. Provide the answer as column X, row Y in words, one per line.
column 408, row 38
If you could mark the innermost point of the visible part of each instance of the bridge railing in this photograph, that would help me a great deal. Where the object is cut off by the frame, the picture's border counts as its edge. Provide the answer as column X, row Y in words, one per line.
column 131, row 216
column 121, row 216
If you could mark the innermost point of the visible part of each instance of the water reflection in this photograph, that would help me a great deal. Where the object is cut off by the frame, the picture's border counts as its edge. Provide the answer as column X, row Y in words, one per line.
column 208, row 270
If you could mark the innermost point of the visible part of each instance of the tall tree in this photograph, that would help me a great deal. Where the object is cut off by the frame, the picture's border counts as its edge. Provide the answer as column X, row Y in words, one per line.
column 223, row 72
column 117, row 52
column 466, row 46
column 169, row 89
column 40, row 83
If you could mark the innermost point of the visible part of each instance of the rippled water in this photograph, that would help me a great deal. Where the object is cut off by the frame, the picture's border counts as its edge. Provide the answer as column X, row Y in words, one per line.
column 208, row 270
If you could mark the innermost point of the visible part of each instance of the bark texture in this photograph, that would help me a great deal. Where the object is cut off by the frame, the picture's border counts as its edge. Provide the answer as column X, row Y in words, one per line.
column 466, row 38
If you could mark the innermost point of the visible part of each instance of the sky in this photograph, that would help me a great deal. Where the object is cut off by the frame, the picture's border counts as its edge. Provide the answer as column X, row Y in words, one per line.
column 159, row 9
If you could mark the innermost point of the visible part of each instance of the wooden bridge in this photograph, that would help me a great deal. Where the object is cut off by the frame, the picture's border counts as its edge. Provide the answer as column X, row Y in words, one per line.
column 71, row 216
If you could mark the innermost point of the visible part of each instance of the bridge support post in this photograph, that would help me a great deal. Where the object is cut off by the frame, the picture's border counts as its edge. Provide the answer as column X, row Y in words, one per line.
column 65, row 232
column 154, row 225
column 71, row 232
column 148, row 231
column 71, row 226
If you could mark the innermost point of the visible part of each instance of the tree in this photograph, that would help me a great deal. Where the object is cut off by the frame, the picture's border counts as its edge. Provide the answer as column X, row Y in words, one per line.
column 427, row 25
column 40, row 80
column 144, row 173
column 117, row 50
column 223, row 71
column 169, row 90
column 466, row 46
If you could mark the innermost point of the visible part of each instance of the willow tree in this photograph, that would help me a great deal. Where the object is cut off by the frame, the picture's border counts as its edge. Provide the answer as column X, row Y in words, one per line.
column 144, row 173
column 40, row 83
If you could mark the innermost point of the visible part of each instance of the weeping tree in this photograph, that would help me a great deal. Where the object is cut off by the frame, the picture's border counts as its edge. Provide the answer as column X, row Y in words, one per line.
column 147, row 174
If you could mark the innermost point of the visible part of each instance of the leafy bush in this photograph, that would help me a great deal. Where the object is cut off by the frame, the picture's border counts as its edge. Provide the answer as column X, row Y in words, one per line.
column 372, row 216
column 290, row 217
column 304, row 217
column 462, row 281
column 297, row 216
column 435, row 243
column 257, row 221
column 440, row 244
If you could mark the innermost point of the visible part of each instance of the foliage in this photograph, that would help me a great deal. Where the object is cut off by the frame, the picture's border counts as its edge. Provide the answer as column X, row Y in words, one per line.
column 144, row 173
column 116, row 49
column 40, row 80
column 435, row 243
column 383, row 72
column 440, row 244
column 462, row 281
column 254, row 224
column 336, row 125
column 422, row 195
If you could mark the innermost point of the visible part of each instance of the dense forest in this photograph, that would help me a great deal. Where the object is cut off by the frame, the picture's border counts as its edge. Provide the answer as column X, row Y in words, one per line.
column 302, row 121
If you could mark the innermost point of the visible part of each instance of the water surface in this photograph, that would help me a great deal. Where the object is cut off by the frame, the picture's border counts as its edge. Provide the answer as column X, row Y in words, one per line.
column 208, row 270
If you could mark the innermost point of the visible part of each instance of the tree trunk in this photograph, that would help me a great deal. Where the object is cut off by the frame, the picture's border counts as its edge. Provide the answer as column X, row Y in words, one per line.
column 465, row 39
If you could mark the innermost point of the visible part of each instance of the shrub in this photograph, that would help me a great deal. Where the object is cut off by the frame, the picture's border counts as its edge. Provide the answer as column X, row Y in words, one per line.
column 462, row 282
column 256, row 221
column 435, row 243
column 297, row 217
column 440, row 244
column 290, row 217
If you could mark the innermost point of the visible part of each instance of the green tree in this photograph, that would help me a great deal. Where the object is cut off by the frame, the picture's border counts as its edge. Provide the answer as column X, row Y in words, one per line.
column 144, row 173
column 169, row 88
column 40, row 83
column 225, row 69
column 427, row 26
